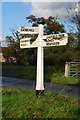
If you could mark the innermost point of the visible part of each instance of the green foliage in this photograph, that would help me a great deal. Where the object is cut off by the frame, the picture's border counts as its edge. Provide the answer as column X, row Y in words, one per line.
column 53, row 55
column 23, row 104
column 75, row 20
column 51, row 24
column 19, row 71
column 51, row 73
column 7, row 53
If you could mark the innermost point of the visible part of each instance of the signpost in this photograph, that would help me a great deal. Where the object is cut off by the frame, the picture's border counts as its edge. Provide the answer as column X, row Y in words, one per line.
column 28, row 43
column 28, row 30
column 41, row 42
column 54, row 40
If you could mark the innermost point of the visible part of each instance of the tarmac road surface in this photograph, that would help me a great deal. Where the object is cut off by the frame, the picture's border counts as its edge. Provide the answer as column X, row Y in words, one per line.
column 72, row 90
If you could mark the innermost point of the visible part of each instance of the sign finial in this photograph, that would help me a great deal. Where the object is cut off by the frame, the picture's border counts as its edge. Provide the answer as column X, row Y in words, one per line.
column 41, row 21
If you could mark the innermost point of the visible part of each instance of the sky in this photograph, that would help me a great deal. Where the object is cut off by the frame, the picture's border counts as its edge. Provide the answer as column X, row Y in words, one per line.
column 39, row 0
column 14, row 13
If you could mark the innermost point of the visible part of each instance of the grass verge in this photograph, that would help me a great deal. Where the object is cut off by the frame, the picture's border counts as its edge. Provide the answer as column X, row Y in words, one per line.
column 19, row 103
column 51, row 73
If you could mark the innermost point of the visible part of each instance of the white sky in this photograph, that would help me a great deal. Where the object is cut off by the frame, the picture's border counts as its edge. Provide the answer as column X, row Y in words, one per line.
column 47, row 9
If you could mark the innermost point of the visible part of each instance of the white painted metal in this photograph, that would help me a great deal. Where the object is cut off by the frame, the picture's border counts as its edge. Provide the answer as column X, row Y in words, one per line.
column 40, row 42
column 59, row 36
column 55, row 40
column 28, row 30
column 28, row 43
column 40, row 72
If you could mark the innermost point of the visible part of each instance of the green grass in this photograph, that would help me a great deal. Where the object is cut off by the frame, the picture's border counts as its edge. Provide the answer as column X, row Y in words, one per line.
column 60, row 78
column 19, row 103
column 19, row 71
column 51, row 73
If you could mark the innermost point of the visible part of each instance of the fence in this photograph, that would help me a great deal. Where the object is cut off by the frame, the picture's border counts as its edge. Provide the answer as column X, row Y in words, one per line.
column 72, row 69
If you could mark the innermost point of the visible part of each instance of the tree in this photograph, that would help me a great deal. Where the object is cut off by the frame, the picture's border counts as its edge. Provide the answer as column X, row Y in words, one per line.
column 51, row 24
column 75, row 20
column 59, row 55
column 13, row 52
column 75, row 37
column 53, row 55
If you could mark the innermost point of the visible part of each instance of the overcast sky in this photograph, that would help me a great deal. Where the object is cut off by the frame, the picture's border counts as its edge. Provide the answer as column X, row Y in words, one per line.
column 52, row 8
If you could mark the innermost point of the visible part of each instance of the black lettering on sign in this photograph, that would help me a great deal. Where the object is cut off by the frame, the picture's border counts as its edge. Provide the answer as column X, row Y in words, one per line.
column 55, row 37
column 27, row 29
column 23, row 44
column 50, row 44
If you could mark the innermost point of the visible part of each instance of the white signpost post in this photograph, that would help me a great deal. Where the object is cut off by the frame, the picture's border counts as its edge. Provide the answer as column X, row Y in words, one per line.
column 41, row 42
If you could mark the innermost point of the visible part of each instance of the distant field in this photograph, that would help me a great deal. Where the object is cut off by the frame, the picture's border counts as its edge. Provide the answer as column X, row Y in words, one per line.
column 22, row 104
column 51, row 73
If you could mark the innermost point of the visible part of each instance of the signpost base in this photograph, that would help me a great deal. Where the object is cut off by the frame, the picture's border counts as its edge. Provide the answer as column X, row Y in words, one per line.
column 39, row 92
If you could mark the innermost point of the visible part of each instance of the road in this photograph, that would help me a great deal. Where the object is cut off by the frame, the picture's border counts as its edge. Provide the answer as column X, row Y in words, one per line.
column 72, row 90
